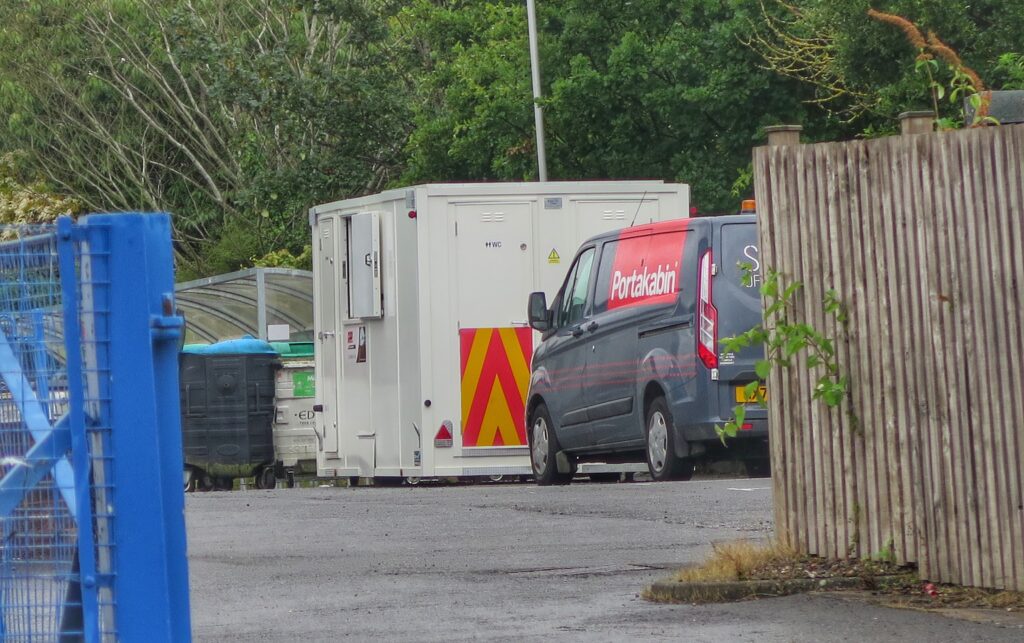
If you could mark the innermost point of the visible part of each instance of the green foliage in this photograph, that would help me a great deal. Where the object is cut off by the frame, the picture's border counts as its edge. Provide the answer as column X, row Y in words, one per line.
column 649, row 89
column 285, row 259
column 863, row 71
column 238, row 115
column 785, row 342
column 744, row 181
column 234, row 115
column 1011, row 70
column 887, row 553
column 24, row 201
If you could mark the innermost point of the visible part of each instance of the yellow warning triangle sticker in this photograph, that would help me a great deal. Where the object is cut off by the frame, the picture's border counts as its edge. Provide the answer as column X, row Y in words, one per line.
column 553, row 257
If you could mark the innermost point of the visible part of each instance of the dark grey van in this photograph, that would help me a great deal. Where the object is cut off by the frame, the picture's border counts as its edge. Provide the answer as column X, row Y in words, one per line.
column 629, row 361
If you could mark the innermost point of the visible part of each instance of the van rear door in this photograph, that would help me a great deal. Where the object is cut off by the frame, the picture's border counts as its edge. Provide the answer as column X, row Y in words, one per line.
column 739, row 304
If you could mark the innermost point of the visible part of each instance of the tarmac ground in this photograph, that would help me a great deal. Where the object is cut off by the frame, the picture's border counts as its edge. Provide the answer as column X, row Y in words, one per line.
column 504, row 561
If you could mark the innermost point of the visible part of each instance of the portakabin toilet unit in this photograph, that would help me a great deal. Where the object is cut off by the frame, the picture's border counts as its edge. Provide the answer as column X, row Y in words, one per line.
column 422, row 348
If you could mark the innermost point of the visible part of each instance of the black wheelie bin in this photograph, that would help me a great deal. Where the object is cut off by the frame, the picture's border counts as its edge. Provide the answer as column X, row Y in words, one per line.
column 227, row 412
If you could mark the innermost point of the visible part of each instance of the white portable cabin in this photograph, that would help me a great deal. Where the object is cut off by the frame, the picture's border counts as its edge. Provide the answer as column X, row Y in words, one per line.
column 422, row 348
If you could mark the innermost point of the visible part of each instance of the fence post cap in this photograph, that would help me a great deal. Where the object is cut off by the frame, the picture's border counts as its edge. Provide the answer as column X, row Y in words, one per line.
column 917, row 122
column 783, row 134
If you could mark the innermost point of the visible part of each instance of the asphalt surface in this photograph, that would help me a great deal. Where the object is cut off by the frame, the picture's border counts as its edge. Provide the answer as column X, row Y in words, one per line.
column 501, row 562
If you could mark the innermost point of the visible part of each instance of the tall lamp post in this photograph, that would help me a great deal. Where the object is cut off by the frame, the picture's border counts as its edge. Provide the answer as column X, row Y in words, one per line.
column 538, row 112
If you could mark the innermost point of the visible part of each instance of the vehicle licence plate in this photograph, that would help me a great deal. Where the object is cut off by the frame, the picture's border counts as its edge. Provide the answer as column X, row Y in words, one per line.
column 743, row 398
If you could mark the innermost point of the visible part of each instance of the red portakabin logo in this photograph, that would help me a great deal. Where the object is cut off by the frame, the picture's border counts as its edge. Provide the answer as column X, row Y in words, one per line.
column 646, row 270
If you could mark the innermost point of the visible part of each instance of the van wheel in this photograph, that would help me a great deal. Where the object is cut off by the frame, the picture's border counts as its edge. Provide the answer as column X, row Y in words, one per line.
column 661, row 454
column 544, row 448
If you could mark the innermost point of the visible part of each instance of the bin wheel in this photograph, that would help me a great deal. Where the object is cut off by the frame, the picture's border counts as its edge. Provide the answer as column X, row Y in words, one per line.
column 266, row 479
column 759, row 468
column 201, row 481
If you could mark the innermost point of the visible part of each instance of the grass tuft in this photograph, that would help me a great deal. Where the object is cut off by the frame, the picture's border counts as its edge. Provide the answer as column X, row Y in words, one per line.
column 737, row 561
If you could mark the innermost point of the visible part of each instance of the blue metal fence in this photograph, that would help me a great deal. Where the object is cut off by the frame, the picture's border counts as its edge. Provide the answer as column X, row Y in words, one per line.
column 91, row 504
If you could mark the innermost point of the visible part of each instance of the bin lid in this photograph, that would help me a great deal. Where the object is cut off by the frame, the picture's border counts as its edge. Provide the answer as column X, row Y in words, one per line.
column 247, row 345
column 293, row 349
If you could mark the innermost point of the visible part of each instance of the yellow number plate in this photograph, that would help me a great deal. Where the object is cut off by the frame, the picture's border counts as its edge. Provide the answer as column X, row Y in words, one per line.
column 742, row 397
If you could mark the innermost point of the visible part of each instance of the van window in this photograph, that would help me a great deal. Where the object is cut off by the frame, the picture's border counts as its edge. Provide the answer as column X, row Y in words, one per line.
column 739, row 246
column 574, row 299
column 604, row 276
column 743, row 301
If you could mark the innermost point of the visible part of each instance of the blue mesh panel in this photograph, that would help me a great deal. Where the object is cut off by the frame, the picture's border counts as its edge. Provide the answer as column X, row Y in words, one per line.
column 37, row 557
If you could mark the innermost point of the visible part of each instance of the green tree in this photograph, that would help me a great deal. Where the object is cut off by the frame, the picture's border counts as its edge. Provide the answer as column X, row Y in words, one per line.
column 24, row 201
column 234, row 115
column 863, row 71
column 651, row 89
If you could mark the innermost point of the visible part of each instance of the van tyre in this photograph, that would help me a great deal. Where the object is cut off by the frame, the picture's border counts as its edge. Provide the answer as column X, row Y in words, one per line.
column 661, row 453
column 544, row 449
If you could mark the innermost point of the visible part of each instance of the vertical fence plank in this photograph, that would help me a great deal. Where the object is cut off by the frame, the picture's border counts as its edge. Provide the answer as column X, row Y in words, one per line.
column 788, row 267
column 1010, row 214
column 764, row 182
column 893, row 351
column 830, row 277
column 821, row 425
column 798, row 269
column 931, row 420
column 884, row 379
column 1000, row 347
column 838, row 235
column 948, row 291
column 976, row 269
column 875, row 351
column 850, row 208
column 935, row 293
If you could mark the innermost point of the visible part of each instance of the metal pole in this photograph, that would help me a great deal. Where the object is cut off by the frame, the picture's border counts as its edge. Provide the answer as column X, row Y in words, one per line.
column 538, row 112
column 261, row 304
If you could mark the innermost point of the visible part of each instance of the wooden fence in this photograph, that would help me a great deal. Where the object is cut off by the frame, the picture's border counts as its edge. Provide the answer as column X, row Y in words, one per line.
column 922, row 238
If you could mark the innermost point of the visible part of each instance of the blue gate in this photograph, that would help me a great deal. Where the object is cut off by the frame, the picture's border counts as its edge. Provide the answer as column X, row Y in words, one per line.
column 92, row 537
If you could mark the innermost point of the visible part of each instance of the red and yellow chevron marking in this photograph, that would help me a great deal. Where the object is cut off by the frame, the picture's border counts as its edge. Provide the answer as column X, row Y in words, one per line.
column 495, row 377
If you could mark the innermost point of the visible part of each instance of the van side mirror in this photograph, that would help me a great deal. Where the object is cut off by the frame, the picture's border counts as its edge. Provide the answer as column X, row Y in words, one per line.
column 537, row 312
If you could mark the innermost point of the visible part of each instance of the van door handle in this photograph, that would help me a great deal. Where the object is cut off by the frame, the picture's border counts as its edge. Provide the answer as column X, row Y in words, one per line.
column 592, row 326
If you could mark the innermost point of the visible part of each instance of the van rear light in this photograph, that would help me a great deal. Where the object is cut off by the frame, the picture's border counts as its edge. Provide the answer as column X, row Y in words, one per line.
column 707, row 315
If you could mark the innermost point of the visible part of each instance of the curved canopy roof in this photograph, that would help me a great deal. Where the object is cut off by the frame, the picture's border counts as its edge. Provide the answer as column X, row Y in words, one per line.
column 247, row 302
